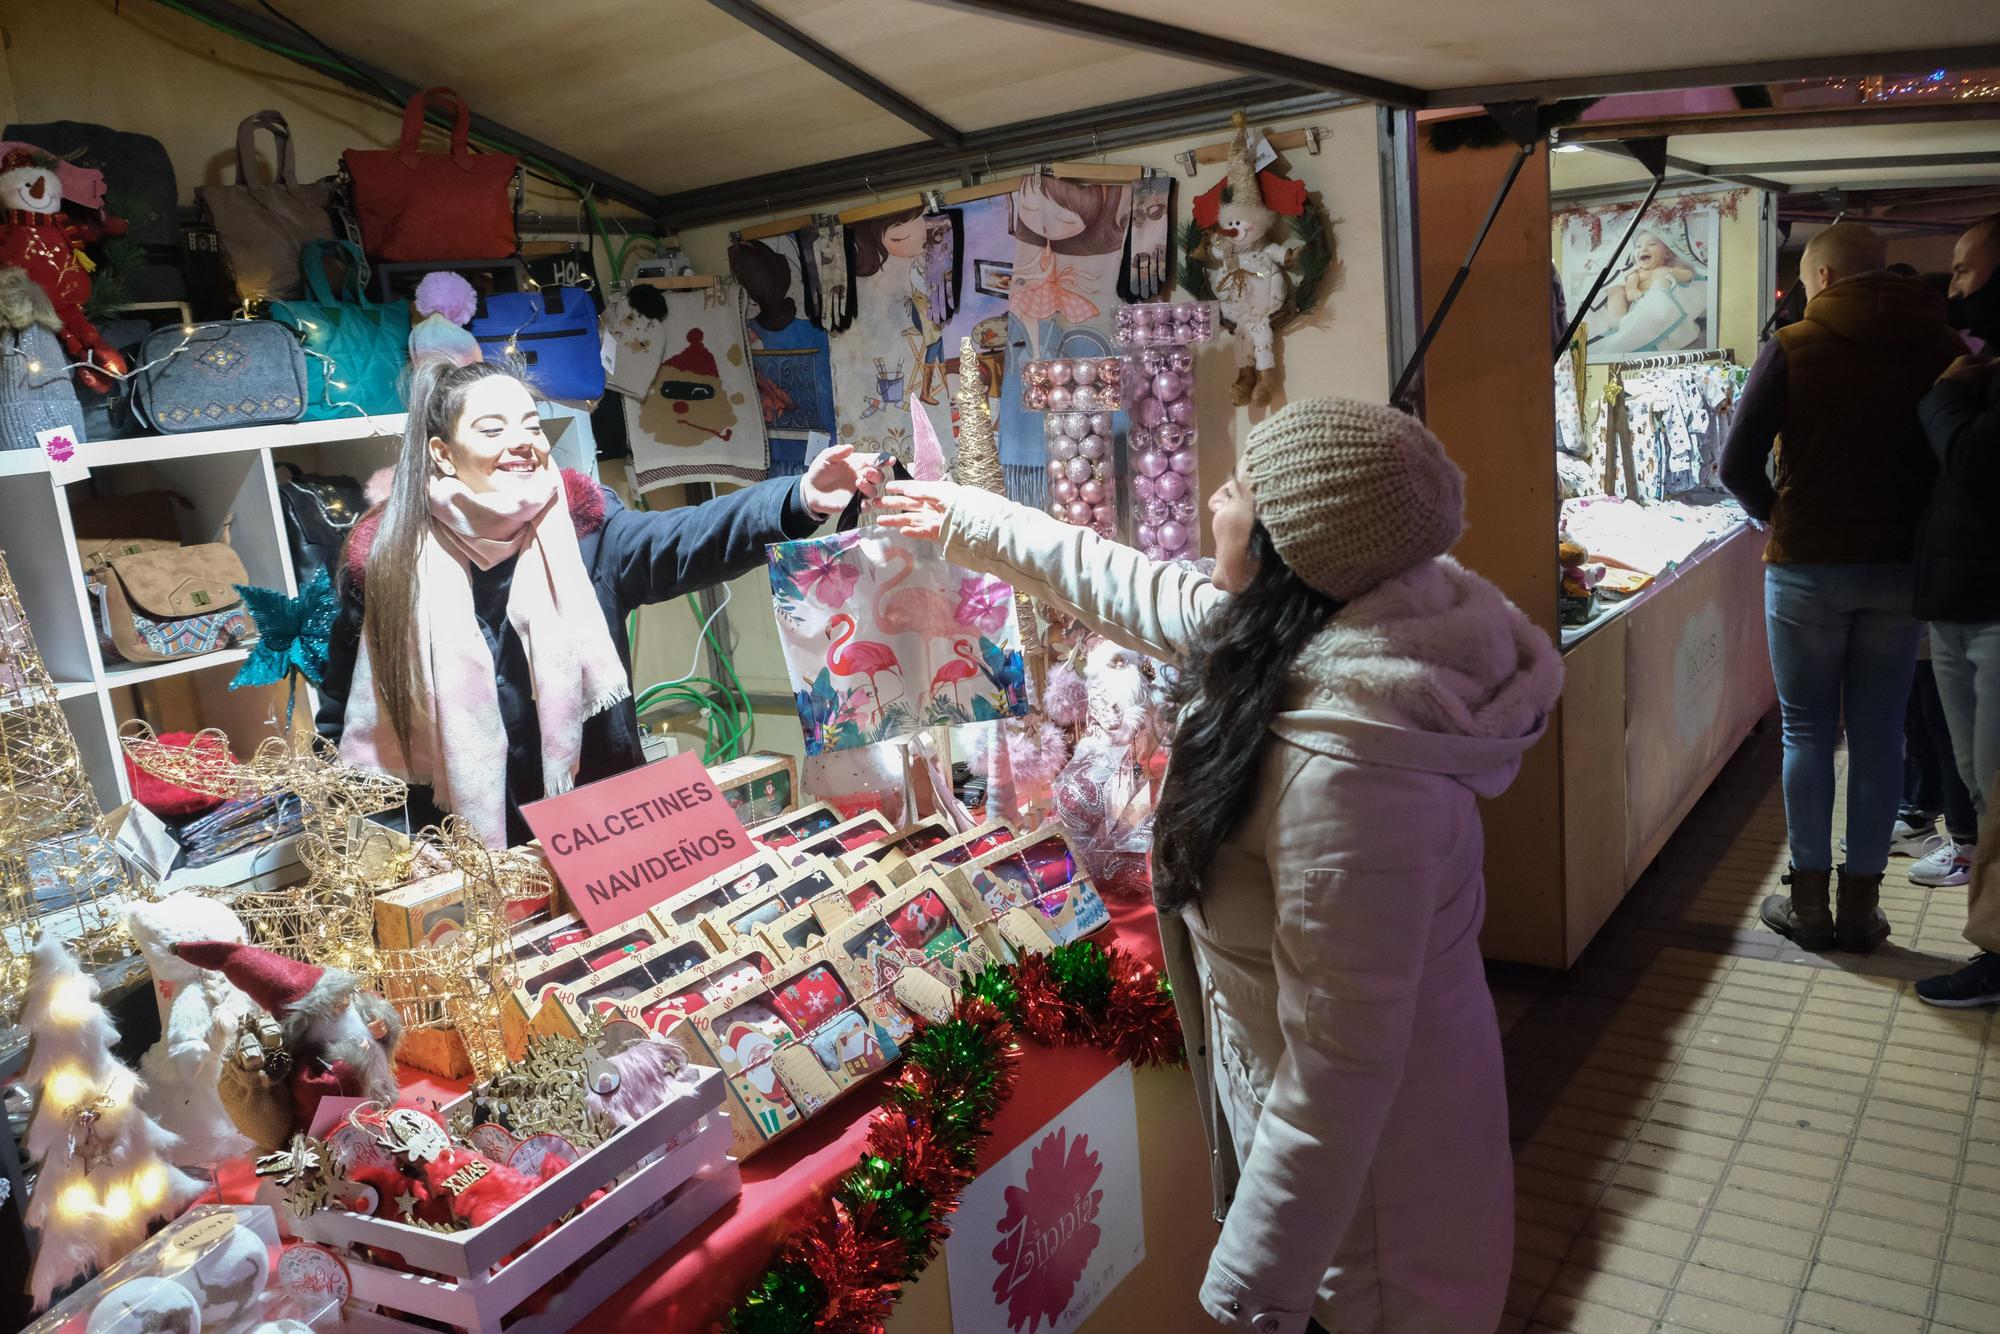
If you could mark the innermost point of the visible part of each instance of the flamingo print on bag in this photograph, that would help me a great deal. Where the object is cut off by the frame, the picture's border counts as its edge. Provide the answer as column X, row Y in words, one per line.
column 920, row 610
column 847, row 656
column 962, row 668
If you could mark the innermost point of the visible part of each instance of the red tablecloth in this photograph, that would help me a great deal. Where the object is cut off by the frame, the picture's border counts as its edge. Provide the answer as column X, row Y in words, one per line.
column 693, row 1285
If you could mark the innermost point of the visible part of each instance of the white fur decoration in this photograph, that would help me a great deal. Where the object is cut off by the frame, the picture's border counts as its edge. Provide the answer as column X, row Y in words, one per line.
column 200, row 1012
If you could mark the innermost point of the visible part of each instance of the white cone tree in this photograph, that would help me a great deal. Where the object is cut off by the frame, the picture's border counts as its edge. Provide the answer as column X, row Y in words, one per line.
column 104, row 1175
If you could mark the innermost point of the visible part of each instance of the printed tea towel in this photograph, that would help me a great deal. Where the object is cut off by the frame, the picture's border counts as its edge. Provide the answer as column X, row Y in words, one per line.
column 699, row 418
column 883, row 639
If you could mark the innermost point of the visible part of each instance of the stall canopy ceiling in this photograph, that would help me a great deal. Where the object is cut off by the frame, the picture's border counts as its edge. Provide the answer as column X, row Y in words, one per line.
column 707, row 105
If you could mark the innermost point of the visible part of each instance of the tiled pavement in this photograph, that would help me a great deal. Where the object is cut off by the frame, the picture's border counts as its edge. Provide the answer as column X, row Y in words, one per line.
column 1716, row 1132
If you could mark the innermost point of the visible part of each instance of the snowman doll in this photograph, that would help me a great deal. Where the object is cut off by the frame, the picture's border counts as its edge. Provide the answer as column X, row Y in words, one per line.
column 36, row 235
column 1250, row 270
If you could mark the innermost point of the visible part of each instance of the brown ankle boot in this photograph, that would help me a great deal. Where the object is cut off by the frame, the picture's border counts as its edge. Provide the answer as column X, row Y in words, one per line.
column 1859, row 925
column 1804, row 918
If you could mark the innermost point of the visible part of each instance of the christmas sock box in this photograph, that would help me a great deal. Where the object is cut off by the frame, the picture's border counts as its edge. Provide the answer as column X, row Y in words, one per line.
column 1031, row 889
column 758, row 787
column 788, row 829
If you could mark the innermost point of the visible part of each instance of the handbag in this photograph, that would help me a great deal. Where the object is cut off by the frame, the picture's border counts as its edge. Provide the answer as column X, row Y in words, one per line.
column 355, row 348
column 881, row 638
column 262, row 227
column 319, row 511
column 229, row 373
column 412, row 205
column 552, row 331
column 153, row 599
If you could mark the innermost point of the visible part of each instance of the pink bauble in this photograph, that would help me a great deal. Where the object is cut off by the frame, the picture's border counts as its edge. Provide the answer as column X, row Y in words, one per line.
column 1037, row 373
column 1056, row 372
column 1094, row 447
column 1100, row 423
column 1145, row 487
column 1171, row 485
column 1079, row 513
column 1181, row 410
column 1172, row 536
column 1062, row 447
column 1152, row 464
column 1183, row 462
column 1110, row 371
column 1183, row 332
column 1036, row 398
column 1075, row 425
column 1150, row 412
column 1184, row 511
column 1141, row 438
column 1181, row 362
column 1149, row 537
column 1092, row 491
column 1088, row 399
column 1064, row 490
column 1059, row 509
column 1055, row 469
column 1079, row 470
column 1059, row 398
column 1167, row 386
column 1155, row 512
column 1104, row 516
column 1172, row 437
column 1184, row 311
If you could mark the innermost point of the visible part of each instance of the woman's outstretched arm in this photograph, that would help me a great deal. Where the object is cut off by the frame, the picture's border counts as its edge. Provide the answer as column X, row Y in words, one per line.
column 1118, row 592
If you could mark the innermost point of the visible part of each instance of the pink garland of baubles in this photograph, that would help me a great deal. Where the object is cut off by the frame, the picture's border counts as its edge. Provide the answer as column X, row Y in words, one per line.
column 1079, row 395
column 1159, row 392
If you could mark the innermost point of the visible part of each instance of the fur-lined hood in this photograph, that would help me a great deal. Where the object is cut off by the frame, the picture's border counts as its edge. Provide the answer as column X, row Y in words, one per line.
column 1434, row 670
column 586, row 511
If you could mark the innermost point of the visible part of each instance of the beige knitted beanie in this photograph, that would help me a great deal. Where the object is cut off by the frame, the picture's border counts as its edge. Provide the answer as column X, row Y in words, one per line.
column 1353, row 493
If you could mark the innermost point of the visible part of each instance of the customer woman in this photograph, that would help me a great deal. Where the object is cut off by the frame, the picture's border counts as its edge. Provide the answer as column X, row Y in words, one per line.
column 480, row 651
column 1348, row 694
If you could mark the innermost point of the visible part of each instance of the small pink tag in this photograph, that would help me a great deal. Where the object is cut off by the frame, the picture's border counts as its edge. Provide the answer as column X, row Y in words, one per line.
column 332, row 1111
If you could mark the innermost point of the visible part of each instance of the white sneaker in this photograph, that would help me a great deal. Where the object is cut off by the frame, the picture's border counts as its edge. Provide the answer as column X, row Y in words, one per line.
column 1949, row 865
column 1912, row 840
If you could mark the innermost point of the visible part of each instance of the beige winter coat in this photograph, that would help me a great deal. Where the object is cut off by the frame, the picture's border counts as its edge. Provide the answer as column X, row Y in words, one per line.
column 1339, row 1026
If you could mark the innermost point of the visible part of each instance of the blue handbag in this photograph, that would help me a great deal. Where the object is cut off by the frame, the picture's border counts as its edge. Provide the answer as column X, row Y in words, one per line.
column 207, row 377
column 552, row 331
column 355, row 348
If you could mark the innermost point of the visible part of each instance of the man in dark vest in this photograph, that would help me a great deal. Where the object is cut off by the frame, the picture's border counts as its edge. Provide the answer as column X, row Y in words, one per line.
column 1835, row 397
column 1958, row 588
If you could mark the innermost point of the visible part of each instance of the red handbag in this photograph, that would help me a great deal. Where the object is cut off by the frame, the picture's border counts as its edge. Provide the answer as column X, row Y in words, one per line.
column 423, row 206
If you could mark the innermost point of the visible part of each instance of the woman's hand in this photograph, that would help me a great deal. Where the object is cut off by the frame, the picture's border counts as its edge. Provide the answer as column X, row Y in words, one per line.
column 836, row 475
column 917, row 509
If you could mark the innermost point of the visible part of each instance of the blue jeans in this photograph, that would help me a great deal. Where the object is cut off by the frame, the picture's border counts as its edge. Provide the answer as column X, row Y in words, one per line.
column 1843, row 644
column 1967, row 659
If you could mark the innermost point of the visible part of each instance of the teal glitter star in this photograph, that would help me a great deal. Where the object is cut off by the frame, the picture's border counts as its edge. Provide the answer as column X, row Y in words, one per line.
column 292, row 636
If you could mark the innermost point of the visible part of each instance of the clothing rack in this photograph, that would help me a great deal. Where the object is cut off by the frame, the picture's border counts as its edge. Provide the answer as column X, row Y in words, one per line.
column 1619, row 457
column 1665, row 360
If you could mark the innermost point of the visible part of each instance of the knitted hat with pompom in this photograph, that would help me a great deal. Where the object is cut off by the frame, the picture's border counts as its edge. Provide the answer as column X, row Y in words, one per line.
column 1353, row 493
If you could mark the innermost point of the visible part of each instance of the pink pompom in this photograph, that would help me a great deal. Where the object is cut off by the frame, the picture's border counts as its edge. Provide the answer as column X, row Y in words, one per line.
column 376, row 491
column 448, row 294
column 1066, row 698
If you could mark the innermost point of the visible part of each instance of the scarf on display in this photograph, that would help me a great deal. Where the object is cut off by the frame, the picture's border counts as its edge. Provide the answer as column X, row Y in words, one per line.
column 460, row 743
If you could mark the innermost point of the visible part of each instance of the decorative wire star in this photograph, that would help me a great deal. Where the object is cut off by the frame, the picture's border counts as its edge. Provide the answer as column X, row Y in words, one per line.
column 292, row 632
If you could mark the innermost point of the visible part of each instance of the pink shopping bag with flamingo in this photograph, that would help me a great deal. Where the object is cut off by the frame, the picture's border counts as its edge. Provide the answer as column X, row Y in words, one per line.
column 883, row 638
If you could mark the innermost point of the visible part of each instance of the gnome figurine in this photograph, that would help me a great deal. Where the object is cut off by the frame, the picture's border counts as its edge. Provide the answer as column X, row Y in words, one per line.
column 339, row 1039
column 689, row 405
column 1248, row 266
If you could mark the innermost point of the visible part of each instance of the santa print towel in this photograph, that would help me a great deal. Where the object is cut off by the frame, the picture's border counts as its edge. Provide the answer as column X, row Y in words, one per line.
column 699, row 420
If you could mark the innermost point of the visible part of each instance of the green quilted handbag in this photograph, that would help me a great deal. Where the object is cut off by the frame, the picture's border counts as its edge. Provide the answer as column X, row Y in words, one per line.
column 355, row 348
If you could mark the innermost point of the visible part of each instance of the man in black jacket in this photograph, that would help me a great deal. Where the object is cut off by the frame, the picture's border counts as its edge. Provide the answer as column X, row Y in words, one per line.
column 1958, row 583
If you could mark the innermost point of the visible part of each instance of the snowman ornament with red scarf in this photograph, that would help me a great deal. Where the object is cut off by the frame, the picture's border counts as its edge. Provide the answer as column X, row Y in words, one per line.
column 38, row 237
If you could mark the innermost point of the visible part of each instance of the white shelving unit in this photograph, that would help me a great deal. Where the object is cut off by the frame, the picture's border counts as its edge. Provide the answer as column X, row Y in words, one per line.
column 230, row 479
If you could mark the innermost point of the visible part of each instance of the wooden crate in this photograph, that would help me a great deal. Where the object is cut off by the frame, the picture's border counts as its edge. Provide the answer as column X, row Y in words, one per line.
column 459, row 1285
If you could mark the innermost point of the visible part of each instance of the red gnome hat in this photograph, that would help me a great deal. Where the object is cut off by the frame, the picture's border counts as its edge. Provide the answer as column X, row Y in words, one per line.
column 695, row 359
column 272, row 980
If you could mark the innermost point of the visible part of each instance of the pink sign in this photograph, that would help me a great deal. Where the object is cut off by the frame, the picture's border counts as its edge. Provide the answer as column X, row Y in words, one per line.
column 621, row 845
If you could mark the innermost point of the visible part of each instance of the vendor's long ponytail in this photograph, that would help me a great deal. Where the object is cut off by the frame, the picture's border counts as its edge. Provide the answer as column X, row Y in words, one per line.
column 1232, row 684
column 435, row 391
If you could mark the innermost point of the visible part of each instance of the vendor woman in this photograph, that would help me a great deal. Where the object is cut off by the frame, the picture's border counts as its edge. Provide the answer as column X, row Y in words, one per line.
column 480, row 652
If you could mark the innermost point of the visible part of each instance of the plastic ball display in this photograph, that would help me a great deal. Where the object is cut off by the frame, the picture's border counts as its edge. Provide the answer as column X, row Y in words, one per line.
column 1079, row 396
column 146, row 1303
column 1159, row 394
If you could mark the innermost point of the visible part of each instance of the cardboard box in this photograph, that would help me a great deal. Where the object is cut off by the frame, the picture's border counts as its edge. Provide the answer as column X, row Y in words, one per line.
column 796, row 934
column 570, row 968
column 1036, row 877
column 976, row 842
column 921, row 925
column 538, row 940
column 799, row 824
column 759, row 787
column 844, row 839
column 606, row 990
column 741, row 921
column 893, row 854
column 665, row 1005
column 791, row 1046
column 747, row 877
